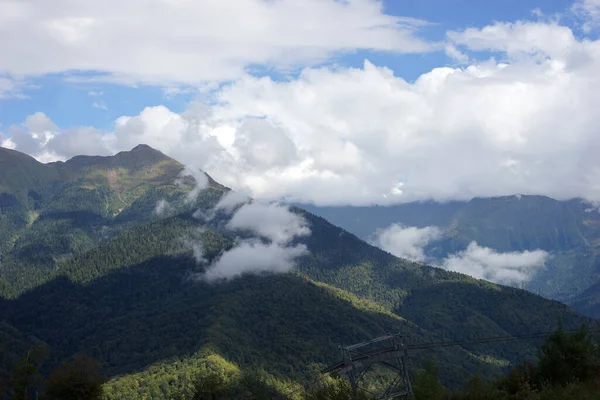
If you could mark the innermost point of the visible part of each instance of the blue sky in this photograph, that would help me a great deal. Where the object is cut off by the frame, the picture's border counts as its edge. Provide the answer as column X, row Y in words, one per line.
column 69, row 104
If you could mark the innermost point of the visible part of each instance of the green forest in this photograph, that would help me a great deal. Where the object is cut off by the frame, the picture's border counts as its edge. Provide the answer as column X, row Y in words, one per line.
column 566, row 367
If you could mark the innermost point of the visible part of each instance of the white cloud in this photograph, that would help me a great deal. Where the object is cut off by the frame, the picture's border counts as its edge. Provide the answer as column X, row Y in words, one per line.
column 196, row 246
column 504, row 268
column 272, row 221
column 406, row 242
column 162, row 207
column 227, row 203
column 589, row 12
column 200, row 182
column 12, row 87
column 509, row 268
column 155, row 126
column 362, row 135
column 456, row 55
column 172, row 42
column 254, row 257
column 518, row 39
column 7, row 143
column 100, row 105
column 231, row 200
column 260, row 144
column 269, row 221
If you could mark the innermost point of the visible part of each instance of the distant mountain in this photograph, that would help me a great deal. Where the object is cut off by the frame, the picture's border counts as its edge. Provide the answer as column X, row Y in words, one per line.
column 99, row 261
column 568, row 230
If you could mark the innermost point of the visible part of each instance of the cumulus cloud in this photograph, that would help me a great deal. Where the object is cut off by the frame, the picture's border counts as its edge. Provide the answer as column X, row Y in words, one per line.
column 275, row 223
column 188, row 42
column 68, row 143
column 505, row 268
column 333, row 135
column 406, row 242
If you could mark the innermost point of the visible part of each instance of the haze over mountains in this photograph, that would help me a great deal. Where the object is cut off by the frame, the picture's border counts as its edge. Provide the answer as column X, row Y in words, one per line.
column 158, row 271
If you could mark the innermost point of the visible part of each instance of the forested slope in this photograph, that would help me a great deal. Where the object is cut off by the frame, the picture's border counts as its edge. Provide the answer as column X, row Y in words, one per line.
column 568, row 230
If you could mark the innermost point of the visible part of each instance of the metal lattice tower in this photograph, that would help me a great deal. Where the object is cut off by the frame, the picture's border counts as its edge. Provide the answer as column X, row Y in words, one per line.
column 387, row 351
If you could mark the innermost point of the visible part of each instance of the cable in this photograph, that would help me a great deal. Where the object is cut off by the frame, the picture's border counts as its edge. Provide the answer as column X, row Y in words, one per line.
column 492, row 339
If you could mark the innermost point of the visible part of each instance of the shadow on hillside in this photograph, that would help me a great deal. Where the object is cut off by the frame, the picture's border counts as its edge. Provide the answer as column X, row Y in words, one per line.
column 502, row 311
column 136, row 316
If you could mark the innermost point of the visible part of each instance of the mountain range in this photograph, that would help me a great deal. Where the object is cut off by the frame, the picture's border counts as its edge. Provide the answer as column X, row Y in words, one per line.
column 159, row 272
column 569, row 231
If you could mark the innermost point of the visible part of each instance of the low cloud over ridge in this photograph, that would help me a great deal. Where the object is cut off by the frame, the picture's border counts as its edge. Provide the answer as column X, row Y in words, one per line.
column 406, row 242
column 505, row 268
column 269, row 248
column 252, row 256
column 276, row 226
column 510, row 268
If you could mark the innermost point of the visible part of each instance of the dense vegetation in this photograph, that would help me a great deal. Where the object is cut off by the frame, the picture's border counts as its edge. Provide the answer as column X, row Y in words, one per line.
column 566, row 368
column 96, row 270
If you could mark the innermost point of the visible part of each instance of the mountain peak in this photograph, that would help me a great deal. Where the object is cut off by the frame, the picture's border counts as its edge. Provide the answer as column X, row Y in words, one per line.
column 141, row 147
column 140, row 156
column 145, row 149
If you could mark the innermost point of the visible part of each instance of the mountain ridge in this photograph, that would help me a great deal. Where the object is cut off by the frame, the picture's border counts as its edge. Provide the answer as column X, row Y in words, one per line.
column 568, row 230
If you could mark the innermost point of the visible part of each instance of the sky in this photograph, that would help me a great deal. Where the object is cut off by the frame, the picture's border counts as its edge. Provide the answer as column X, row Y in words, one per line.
column 316, row 101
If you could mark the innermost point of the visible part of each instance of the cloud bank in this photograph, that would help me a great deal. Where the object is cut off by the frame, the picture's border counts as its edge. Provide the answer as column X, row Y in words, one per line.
column 523, row 121
column 174, row 42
